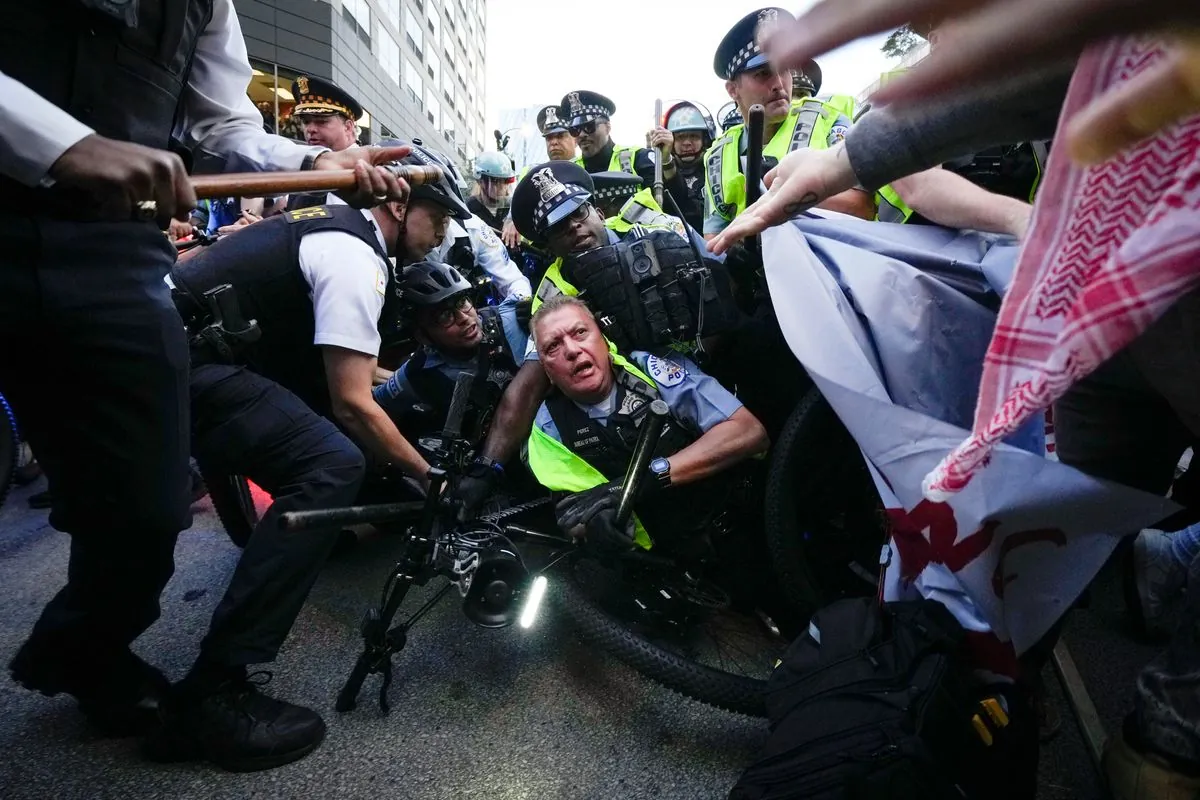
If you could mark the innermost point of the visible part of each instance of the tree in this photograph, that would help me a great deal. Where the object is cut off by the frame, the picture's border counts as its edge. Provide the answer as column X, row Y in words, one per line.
column 901, row 42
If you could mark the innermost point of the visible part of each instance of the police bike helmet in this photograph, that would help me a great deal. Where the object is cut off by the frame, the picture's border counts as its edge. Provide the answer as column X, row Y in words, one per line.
column 687, row 117
column 446, row 191
column 429, row 283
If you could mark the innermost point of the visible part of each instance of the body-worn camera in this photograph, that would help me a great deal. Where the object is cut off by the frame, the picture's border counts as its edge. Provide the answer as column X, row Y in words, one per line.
column 652, row 291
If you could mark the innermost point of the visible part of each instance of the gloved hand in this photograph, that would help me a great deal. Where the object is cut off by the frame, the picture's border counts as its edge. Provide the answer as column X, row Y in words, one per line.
column 524, row 311
column 472, row 489
column 596, row 510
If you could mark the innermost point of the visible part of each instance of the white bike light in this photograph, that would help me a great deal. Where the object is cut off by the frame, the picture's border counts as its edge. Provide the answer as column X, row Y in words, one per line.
column 536, row 591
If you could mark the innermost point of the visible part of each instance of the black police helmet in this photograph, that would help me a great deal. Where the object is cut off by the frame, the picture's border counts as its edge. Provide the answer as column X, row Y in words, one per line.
column 444, row 192
column 429, row 283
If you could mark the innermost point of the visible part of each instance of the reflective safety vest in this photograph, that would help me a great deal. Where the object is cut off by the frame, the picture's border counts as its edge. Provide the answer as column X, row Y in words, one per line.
column 559, row 469
column 621, row 160
column 553, row 283
column 845, row 103
column 642, row 210
column 891, row 207
column 808, row 124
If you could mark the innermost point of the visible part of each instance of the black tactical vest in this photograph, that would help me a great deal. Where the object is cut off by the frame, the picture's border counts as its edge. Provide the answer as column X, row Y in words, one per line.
column 609, row 449
column 124, row 81
column 262, row 264
column 494, row 369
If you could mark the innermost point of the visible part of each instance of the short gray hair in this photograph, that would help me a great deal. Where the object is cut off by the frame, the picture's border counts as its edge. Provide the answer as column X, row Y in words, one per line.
column 556, row 303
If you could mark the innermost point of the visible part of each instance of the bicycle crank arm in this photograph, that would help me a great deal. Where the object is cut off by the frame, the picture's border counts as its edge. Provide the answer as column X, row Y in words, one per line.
column 347, row 699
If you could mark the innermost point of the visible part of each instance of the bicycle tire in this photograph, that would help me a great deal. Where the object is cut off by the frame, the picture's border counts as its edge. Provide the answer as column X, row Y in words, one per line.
column 10, row 448
column 736, row 693
column 816, row 467
column 234, row 504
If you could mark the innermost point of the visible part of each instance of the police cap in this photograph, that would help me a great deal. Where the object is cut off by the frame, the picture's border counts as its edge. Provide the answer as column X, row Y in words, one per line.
column 741, row 49
column 729, row 115
column 614, row 186
column 582, row 106
column 808, row 78
column 547, row 194
column 548, row 121
column 319, row 96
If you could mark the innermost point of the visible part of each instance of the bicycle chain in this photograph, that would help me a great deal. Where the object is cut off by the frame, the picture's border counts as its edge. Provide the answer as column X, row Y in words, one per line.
column 499, row 516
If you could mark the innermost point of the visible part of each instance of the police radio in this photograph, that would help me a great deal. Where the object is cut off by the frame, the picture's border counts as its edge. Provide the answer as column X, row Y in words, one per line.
column 653, row 291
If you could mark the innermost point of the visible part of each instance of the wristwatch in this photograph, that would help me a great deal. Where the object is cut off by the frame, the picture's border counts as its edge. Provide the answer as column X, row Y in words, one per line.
column 483, row 466
column 660, row 468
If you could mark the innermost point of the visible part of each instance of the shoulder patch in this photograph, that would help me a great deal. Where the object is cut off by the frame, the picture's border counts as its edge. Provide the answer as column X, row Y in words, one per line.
column 489, row 236
column 837, row 133
column 312, row 212
column 665, row 372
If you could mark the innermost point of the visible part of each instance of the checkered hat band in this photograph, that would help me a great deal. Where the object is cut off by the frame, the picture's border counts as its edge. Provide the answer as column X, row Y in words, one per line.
column 742, row 57
column 616, row 191
column 543, row 212
column 590, row 111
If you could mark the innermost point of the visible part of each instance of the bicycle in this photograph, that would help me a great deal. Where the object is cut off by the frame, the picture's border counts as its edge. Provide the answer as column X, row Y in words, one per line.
column 668, row 617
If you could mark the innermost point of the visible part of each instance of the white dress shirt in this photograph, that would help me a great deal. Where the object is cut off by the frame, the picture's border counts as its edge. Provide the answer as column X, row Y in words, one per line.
column 217, row 120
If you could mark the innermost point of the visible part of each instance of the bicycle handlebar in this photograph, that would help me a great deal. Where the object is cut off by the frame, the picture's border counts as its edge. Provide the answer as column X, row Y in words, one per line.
column 643, row 452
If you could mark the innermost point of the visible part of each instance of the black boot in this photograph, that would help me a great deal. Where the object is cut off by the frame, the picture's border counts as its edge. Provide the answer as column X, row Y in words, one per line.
column 119, row 693
column 221, row 716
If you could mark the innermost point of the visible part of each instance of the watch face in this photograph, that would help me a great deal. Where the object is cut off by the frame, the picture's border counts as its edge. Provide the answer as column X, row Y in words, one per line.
column 659, row 466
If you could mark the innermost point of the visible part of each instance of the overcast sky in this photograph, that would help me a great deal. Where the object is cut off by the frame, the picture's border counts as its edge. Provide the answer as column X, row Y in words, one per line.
column 538, row 50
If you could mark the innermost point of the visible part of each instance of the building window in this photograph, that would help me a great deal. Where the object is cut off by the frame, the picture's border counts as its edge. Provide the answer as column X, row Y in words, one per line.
column 433, row 109
column 448, row 125
column 433, row 66
column 435, row 28
column 412, row 32
column 357, row 15
column 451, row 16
column 391, row 10
column 413, row 82
column 448, row 84
column 388, row 54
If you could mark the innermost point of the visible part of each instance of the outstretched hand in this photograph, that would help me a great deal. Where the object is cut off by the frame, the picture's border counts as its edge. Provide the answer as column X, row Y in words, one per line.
column 803, row 179
column 373, row 183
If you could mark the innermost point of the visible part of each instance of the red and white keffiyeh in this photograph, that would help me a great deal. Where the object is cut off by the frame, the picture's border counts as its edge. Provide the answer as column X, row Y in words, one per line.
column 1110, row 247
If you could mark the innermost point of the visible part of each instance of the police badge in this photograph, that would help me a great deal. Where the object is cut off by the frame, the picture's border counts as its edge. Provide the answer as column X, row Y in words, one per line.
column 302, row 84
column 547, row 185
column 768, row 23
column 575, row 103
column 551, row 116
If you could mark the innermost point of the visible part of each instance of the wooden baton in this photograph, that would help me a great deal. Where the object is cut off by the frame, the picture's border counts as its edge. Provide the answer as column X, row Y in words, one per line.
column 266, row 184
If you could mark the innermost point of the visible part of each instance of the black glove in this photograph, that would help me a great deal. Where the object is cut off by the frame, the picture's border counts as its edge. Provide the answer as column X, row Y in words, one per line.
column 473, row 488
column 524, row 309
column 596, row 510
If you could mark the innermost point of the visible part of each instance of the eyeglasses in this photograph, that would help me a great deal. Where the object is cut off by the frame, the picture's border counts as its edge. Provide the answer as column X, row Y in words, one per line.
column 445, row 314
column 588, row 127
column 563, row 226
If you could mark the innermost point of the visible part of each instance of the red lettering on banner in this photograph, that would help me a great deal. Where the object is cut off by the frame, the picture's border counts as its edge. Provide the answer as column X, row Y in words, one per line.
column 1015, row 540
column 942, row 546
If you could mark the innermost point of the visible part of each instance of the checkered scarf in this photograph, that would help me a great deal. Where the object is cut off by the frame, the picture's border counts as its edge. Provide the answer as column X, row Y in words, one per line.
column 1109, row 249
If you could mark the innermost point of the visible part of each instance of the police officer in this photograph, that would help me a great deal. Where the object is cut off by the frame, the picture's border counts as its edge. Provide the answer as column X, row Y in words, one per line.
column 494, row 179
column 588, row 115
column 316, row 280
column 455, row 336
column 552, row 206
column 693, row 132
column 749, row 80
column 560, row 144
column 729, row 115
column 327, row 114
column 583, row 437
column 94, row 94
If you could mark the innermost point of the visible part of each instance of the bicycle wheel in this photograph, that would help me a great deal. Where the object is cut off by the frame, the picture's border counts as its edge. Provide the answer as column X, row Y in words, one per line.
column 685, row 632
column 10, row 447
column 825, row 523
column 234, row 504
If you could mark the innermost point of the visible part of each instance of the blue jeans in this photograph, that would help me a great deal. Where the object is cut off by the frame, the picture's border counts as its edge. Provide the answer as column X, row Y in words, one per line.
column 1185, row 546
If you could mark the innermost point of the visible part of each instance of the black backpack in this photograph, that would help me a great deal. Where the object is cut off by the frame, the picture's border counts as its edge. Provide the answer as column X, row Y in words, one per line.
column 872, row 702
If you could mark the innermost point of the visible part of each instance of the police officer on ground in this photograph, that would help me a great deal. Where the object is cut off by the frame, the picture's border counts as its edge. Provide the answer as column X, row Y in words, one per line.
column 327, row 114
column 552, row 207
column 87, row 185
column 455, row 336
column 317, row 281
column 749, row 80
column 583, row 437
column 693, row 132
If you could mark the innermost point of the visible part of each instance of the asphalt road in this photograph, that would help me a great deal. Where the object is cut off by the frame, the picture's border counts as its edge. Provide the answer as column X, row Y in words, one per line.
column 475, row 713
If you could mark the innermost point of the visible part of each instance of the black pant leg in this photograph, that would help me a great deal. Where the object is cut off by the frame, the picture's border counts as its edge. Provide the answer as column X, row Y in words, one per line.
column 93, row 357
column 246, row 424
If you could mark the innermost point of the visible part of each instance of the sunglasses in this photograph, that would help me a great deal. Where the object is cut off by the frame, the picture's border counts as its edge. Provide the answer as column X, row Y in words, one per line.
column 445, row 314
column 588, row 127
column 563, row 226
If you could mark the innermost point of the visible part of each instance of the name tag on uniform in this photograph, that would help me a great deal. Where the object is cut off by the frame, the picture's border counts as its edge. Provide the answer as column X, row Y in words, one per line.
column 381, row 283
